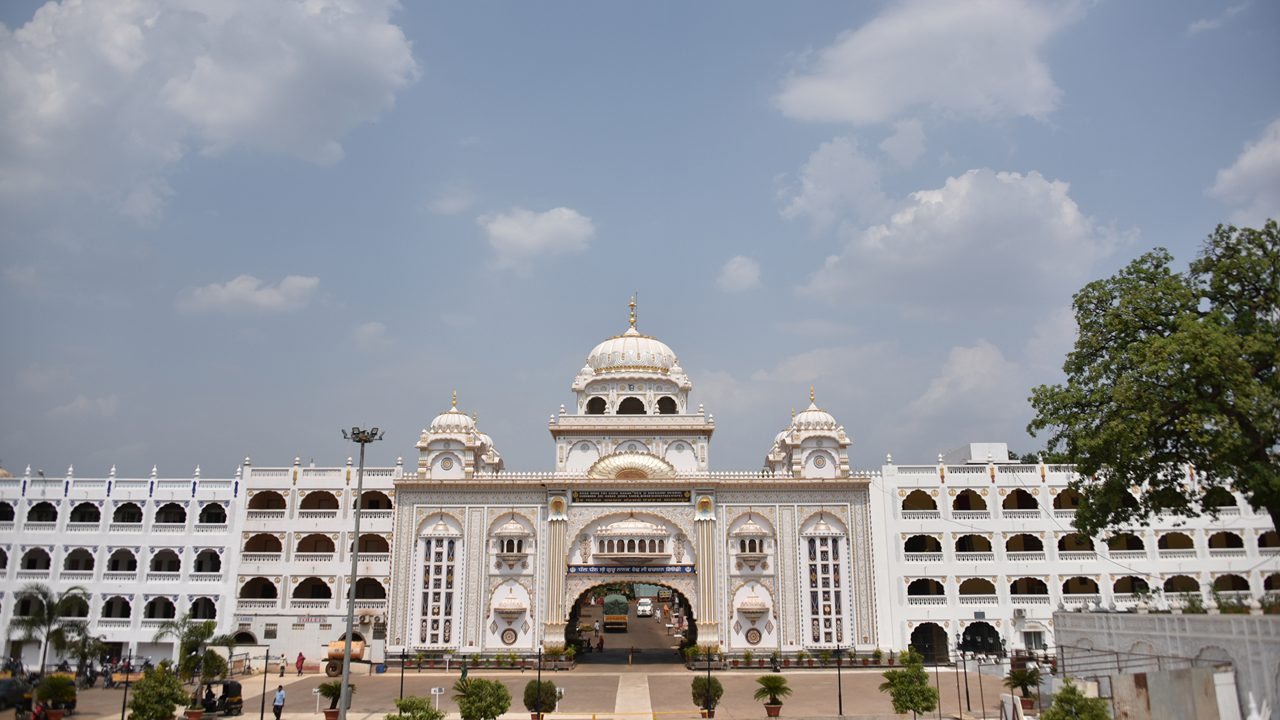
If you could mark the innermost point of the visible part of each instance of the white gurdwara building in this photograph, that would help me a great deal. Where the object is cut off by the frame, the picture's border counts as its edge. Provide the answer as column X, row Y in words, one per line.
column 458, row 554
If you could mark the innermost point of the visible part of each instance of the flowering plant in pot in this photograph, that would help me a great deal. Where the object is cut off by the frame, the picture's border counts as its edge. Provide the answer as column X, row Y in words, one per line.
column 772, row 689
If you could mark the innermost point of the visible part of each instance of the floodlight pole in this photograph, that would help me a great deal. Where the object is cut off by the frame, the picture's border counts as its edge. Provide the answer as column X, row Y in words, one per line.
column 363, row 437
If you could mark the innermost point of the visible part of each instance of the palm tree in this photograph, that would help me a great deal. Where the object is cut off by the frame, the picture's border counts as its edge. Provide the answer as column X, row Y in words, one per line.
column 51, row 620
column 772, row 688
column 191, row 636
column 85, row 648
column 1023, row 680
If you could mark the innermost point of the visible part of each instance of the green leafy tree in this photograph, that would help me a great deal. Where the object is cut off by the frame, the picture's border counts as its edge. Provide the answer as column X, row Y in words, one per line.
column 157, row 695
column 85, row 648
column 540, row 696
column 908, row 687
column 191, row 636
column 1023, row 680
column 1170, row 370
column 55, row 619
column 480, row 699
column 1071, row 704
column 706, row 692
column 772, row 689
column 415, row 708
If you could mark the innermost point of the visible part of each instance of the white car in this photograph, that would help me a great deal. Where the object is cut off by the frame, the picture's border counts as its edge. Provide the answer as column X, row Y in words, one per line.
column 644, row 607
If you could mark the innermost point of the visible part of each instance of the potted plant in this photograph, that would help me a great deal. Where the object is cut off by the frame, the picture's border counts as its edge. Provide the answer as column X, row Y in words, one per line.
column 706, row 694
column 893, row 657
column 1023, row 680
column 569, row 654
column 480, row 699
column 539, row 698
column 747, row 657
column 877, row 655
column 332, row 691
column 801, row 656
column 156, row 696
column 58, row 692
column 691, row 655
column 824, row 657
column 772, row 689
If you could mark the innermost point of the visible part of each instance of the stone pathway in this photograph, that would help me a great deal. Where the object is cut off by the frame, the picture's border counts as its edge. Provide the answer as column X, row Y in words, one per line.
column 633, row 694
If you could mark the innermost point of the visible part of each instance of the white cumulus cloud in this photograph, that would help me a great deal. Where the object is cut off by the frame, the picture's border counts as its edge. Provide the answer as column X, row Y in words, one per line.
column 1251, row 184
column 973, row 59
column 985, row 240
column 519, row 235
column 101, row 99
column 452, row 202
column 370, row 336
column 1213, row 23
column 84, row 406
column 906, row 144
column 248, row 294
column 837, row 184
column 739, row 274
column 970, row 374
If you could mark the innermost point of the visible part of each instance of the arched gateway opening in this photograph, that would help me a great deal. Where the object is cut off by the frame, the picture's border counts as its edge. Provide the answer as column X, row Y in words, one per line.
column 637, row 622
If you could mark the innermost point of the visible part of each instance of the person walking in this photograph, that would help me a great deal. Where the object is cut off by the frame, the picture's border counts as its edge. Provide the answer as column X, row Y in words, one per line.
column 299, row 663
column 277, row 705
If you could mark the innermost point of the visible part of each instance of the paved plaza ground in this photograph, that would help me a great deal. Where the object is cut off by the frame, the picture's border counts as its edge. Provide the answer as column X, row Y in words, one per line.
column 603, row 691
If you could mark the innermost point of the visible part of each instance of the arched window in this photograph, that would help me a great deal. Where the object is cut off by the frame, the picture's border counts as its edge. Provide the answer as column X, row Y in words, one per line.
column 6, row 512
column 977, row 586
column 922, row 543
column 117, row 608
column 263, row 543
column 596, row 406
column 919, row 500
column 1175, row 541
column 267, row 500
column 1125, row 541
column 315, row 543
column 371, row 543
column 1066, row 500
column 972, row 543
column 259, row 588
column 159, row 609
column 1028, row 586
column 925, row 587
column 4, row 559
column 1225, row 540
column 1019, row 499
column 36, row 559
column 631, row 406
column 203, row 609
column 122, row 560
column 208, row 561
column 1181, row 584
column 1023, row 542
column 1075, row 542
column 212, row 514
column 1271, row 583
column 370, row 589
column 1080, row 586
column 313, row 588
column 77, row 607
column 166, row 561
column 85, row 513
column 319, row 500
column 42, row 512
column 374, row 500
column 1230, row 583
column 968, row 500
column 666, row 405
column 1130, row 584
column 78, row 560
column 128, row 513
column 171, row 514
column 1269, row 539
column 1218, row 497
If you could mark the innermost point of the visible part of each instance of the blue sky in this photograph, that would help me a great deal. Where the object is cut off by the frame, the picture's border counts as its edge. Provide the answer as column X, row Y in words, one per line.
column 233, row 228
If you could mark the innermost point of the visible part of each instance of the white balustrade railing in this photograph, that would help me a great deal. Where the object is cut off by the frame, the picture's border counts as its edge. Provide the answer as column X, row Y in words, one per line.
column 979, row 599
column 1080, row 598
column 1176, row 554
column 1226, row 552
column 260, row 557
column 921, row 514
column 119, row 575
column 124, row 527
column 1128, row 554
column 83, row 527
column 975, row 556
column 206, row 577
column 313, row 557
column 257, row 604
column 210, row 528
column 1064, row 514
column 1077, row 554
column 163, row 577
column 265, row 514
column 317, row 514
column 923, row 557
column 310, row 604
column 970, row 514
column 1020, row 514
column 31, row 526
column 1029, row 599
column 76, row 575
column 926, row 599
column 376, row 514
column 374, row 557
column 33, row 574
column 1025, row 556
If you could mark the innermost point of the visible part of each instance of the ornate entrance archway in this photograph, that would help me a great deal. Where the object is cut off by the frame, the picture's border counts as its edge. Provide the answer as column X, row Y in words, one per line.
column 659, row 636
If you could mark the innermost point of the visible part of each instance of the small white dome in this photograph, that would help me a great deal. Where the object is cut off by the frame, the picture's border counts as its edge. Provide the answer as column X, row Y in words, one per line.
column 452, row 420
column 511, row 528
column 750, row 528
column 814, row 418
column 632, row 527
column 632, row 351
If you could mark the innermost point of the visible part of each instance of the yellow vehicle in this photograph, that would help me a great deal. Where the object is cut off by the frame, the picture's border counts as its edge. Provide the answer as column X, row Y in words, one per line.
column 333, row 668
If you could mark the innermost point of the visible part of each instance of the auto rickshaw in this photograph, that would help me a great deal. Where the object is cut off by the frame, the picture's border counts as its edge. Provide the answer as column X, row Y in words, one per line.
column 230, row 702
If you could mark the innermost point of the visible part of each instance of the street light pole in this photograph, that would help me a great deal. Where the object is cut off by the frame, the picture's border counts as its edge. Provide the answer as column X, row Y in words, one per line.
column 964, row 661
column 538, row 701
column 839, row 684
column 402, row 656
column 266, row 662
column 363, row 437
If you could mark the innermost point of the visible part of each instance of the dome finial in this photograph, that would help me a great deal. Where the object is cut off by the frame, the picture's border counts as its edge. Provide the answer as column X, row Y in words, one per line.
column 454, row 404
column 632, row 305
column 811, row 394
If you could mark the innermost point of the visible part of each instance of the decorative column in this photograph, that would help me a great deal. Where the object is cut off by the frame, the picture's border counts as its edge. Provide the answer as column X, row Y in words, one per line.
column 553, row 625
column 705, row 542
